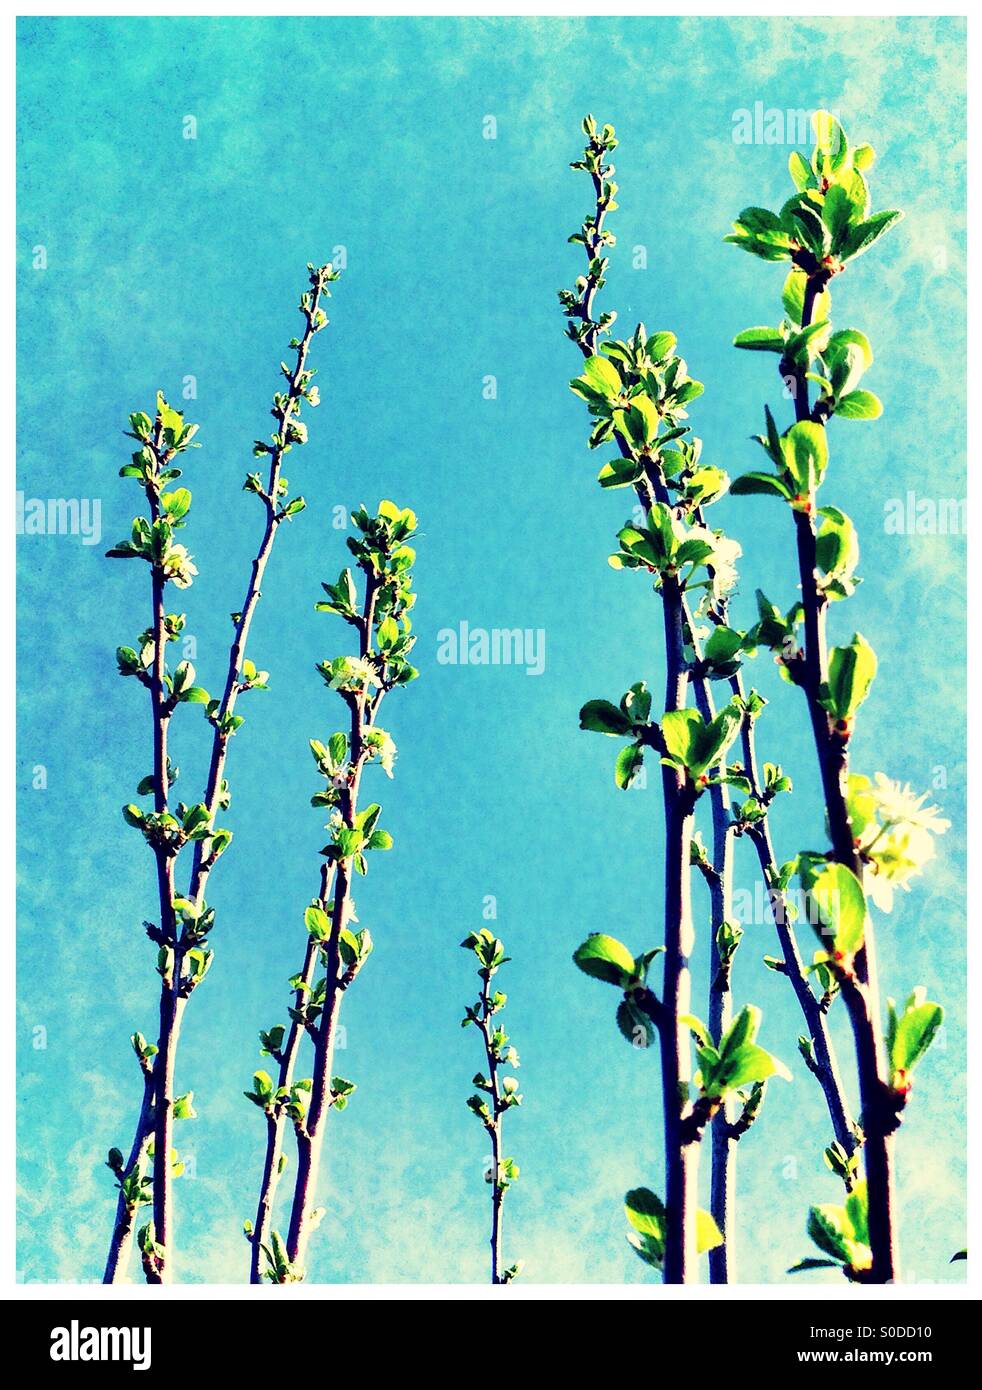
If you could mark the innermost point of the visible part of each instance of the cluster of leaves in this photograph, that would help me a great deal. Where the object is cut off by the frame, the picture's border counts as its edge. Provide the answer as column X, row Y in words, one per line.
column 828, row 220
column 836, row 361
column 646, row 1214
column 603, row 957
column 842, row 1234
column 161, row 440
column 683, row 738
column 736, row 1061
column 641, row 400
column 385, row 558
column 291, row 1100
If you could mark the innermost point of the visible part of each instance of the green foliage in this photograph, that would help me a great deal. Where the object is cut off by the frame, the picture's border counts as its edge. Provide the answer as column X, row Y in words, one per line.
column 851, row 672
column 631, row 719
column 827, row 221
column 605, row 958
column 738, row 1061
column 489, row 950
column 910, row 1033
column 842, row 1234
column 669, row 548
column 693, row 746
column 646, row 1214
column 836, row 907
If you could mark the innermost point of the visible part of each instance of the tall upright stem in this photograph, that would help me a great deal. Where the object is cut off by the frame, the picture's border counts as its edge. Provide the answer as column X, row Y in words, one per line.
column 722, row 1258
column 860, row 990
column 497, row 1115
column 158, row 1120
column 276, row 1118
column 681, row 1157
column 310, row 1136
column 826, row 1066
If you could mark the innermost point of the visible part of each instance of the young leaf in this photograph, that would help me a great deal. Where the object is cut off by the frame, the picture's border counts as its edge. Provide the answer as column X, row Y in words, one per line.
column 605, row 958
column 601, row 717
column 840, row 909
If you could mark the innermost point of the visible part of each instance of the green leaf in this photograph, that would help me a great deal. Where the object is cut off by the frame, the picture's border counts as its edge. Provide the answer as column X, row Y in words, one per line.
column 722, row 644
column 605, row 958
column 837, row 211
column 760, row 340
column 600, row 378
column 639, row 422
column 708, row 1234
column 836, row 543
column 646, row 1213
column 634, row 1025
column 915, row 1031
column 806, row 454
column 601, row 717
column 750, row 484
column 801, row 172
column 681, row 730
column 859, row 405
column 831, row 1230
column 746, row 1065
column 184, row 1107
column 318, row 923
column 697, row 1028
column 851, row 673
column 857, row 1210
column 811, row 1263
column 176, row 504
column 862, row 236
column 840, row 908
column 619, row 472
column 628, row 764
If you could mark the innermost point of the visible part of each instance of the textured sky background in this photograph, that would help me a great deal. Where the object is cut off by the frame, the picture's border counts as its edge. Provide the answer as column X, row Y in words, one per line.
column 168, row 257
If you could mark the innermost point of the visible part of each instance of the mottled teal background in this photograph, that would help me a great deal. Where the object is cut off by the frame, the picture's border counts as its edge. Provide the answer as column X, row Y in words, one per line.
column 168, row 257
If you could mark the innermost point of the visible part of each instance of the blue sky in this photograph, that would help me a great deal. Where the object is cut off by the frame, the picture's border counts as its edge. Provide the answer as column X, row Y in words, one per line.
column 168, row 258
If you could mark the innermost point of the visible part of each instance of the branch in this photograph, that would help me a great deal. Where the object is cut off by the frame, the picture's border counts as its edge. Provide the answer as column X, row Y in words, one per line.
column 176, row 984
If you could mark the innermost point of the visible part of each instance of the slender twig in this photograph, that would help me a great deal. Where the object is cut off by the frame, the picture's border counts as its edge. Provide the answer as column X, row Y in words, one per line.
column 276, row 1118
column 497, row 1093
column 722, row 1259
column 157, row 1112
column 497, row 1191
column 362, row 681
column 824, row 1063
column 859, row 986
column 681, row 1137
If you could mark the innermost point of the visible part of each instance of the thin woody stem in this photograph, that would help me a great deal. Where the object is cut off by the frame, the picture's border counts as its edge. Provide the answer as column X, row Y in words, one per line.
column 158, row 1266
column 681, row 1139
column 495, row 1132
column 163, row 1063
column 310, row 1137
column 826, row 1068
column 276, row 1118
column 681, row 1157
column 722, row 1259
column 859, row 987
